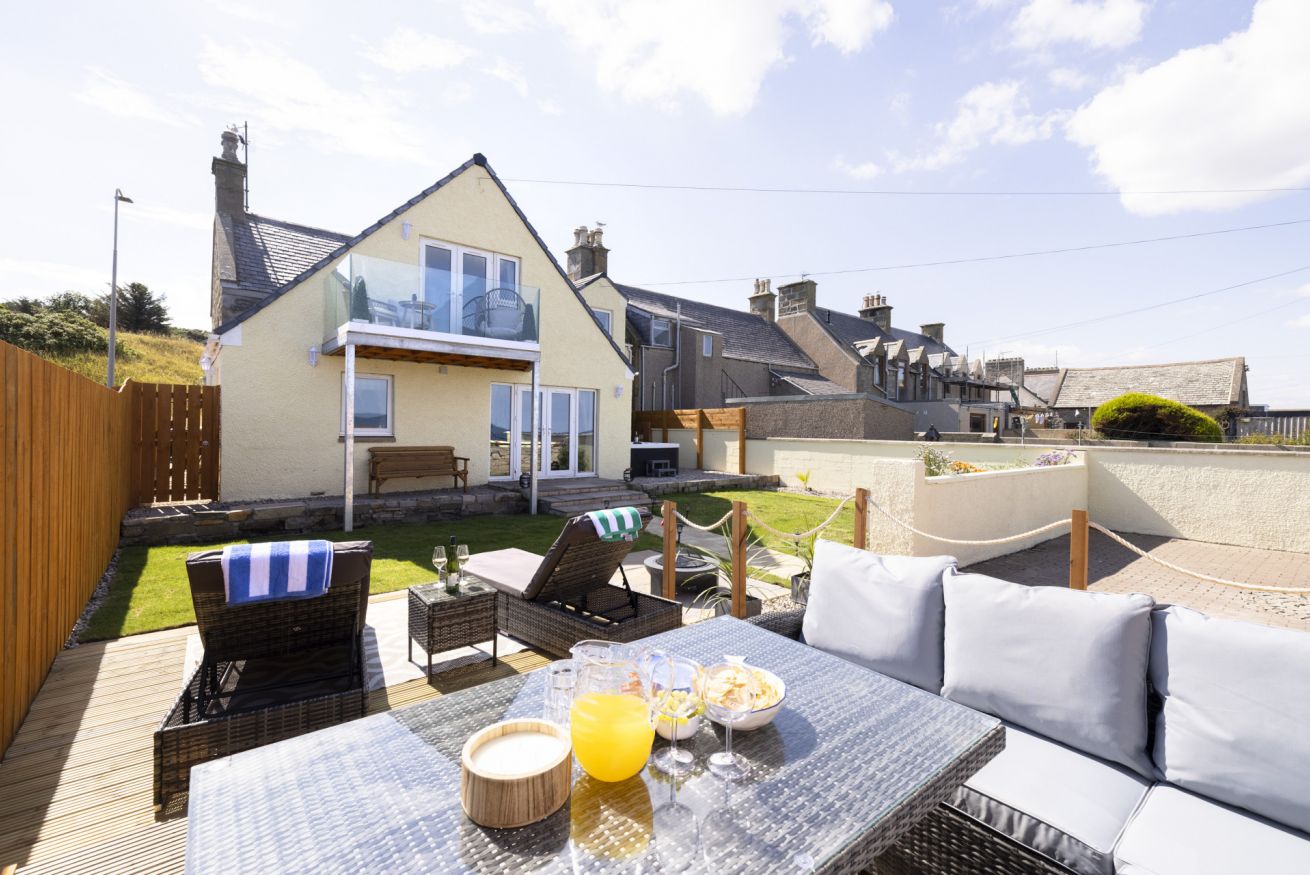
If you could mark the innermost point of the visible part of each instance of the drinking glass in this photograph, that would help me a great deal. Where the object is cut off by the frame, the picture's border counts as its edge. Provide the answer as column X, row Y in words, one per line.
column 561, row 678
column 729, row 693
column 462, row 554
column 610, row 721
column 439, row 561
column 675, row 695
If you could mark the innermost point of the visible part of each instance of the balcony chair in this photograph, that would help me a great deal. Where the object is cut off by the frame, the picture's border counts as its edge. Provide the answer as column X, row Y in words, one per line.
column 499, row 314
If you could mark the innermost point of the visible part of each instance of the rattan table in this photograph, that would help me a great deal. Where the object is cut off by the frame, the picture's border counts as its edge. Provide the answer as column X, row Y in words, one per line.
column 851, row 762
column 440, row 620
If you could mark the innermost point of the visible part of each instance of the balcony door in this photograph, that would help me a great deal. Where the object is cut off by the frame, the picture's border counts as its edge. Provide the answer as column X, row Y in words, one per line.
column 455, row 280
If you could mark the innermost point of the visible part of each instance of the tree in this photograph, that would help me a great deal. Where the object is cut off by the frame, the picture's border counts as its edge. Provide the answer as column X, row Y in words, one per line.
column 23, row 304
column 1137, row 416
column 72, row 302
column 141, row 310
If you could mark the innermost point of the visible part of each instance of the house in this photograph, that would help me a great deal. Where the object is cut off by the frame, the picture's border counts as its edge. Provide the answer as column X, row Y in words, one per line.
column 1215, row 387
column 434, row 323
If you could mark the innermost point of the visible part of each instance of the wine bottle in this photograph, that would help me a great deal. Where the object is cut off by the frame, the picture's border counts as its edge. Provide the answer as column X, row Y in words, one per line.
column 453, row 564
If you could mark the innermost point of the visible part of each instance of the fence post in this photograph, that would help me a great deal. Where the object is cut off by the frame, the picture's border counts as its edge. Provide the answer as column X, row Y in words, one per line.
column 739, row 559
column 862, row 518
column 1078, row 549
column 700, row 439
column 670, row 550
column 741, row 440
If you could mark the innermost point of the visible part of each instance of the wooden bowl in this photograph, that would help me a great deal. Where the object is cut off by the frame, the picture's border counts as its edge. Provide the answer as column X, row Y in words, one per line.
column 508, row 792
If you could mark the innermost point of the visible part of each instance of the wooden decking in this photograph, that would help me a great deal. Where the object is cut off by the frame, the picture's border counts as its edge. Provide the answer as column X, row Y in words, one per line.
column 76, row 784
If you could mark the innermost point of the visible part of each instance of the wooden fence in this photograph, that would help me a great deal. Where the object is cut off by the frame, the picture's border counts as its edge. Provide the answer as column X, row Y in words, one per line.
column 646, row 421
column 65, row 483
column 175, row 431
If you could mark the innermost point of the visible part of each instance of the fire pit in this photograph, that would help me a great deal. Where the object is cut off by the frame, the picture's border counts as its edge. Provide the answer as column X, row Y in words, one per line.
column 690, row 572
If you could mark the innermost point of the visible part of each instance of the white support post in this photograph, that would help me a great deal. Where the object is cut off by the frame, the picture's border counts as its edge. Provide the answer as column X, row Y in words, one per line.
column 350, row 439
column 536, row 444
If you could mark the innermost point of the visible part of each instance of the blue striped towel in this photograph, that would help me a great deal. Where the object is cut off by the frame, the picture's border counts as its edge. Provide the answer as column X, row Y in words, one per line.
column 281, row 570
column 616, row 523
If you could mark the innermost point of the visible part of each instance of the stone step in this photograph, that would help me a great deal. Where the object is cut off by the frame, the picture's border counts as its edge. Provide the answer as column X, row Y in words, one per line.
column 572, row 505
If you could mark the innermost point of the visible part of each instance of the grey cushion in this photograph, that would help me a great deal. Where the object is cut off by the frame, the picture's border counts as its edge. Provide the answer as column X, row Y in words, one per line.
column 1065, row 805
column 883, row 612
column 509, row 570
column 1235, row 725
column 1178, row 832
column 1066, row 664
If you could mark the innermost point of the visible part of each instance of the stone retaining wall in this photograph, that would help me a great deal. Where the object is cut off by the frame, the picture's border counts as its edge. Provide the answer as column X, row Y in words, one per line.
column 216, row 522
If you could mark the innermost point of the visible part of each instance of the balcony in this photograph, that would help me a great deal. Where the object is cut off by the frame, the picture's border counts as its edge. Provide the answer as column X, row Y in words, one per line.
column 400, row 311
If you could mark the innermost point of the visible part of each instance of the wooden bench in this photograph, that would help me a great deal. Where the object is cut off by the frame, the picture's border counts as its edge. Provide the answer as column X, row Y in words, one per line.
column 385, row 463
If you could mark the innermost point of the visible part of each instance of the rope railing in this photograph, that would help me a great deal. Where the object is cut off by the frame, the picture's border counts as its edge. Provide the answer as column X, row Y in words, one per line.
column 1009, row 539
column 800, row 536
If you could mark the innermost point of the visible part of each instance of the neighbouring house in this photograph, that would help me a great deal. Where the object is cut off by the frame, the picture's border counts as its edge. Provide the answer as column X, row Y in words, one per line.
column 434, row 323
column 1067, row 397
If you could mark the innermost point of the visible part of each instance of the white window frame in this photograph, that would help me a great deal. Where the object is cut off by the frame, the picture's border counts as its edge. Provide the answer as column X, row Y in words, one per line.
column 457, row 253
column 390, row 430
column 606, row 319
column 707, row 346
column 666, row 327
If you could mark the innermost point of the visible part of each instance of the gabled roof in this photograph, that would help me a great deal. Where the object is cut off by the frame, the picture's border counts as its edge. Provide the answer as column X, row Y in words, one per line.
column 1213, row 383
column 745, row 336
column 295, row 255
column 1044, row 384
column 810, row 384
column 268, row 253
column 852, row 329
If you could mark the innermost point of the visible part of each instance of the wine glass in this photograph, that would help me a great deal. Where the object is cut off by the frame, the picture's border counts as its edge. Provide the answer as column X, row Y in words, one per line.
column 439, row 561
column 675, row 696
column 462, row 555
column 729, row 693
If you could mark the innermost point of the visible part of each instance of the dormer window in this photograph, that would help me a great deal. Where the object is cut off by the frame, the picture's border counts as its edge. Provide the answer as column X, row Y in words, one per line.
column 661, row 333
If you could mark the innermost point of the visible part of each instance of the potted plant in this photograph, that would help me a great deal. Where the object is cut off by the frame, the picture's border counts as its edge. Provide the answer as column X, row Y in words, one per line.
column 800, row 582
column 717, row 581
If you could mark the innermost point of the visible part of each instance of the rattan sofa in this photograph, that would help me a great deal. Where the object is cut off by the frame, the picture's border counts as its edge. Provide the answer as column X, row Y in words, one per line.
column 1215, row 782
column 555, row 601
column 271, row 670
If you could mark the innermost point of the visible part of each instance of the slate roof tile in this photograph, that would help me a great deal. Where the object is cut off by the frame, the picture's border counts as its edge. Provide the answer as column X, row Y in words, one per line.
column 1214, row 383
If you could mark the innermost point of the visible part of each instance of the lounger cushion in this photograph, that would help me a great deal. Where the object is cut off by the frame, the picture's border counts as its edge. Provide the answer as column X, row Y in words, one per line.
column 1066, row 664
column 883, row 612
column 1065, row 805
column 1235, row 724
column 1179, row 833
column 509, row 570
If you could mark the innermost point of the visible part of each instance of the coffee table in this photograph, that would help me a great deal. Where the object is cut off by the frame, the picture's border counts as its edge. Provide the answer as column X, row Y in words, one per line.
column 440, row 620
column 852, row 761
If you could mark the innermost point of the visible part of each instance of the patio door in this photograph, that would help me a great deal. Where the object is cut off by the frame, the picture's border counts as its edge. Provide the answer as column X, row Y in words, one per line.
column 455, row 280
column 557, row 437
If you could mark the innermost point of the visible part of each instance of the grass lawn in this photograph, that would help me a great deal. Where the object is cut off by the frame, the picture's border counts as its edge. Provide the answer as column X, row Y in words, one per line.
column 785, row 511
column 150, row 591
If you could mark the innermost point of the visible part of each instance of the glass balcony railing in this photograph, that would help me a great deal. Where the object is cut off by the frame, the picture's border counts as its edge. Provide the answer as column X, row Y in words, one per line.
column 365, row 290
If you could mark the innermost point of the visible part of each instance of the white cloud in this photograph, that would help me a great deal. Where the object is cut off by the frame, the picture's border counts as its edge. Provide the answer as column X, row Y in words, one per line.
column 861, row 170
column 1301, row 321
column 1304, row 291
column 120, row 98
column 164, row 215
column 50, row 276
column 284, row 95
column 993, row 112
column 1232, row 114
column 550, row 107
column 1099, row 24
column 657, row 50
column 509, row 72
column 1068, row 78
column 409, row 51
column 495, row 16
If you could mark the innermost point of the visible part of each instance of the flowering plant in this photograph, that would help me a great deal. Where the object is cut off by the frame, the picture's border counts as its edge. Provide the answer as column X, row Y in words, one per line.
column 1055, row 457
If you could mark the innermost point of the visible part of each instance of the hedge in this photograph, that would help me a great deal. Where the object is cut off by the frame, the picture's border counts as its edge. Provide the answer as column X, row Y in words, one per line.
column 1137, row 416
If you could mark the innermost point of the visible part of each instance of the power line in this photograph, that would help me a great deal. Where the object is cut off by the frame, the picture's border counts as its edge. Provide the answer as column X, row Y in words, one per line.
column 1092, row 321
column 983, row 258
column 750, row 189
column 1226, row 323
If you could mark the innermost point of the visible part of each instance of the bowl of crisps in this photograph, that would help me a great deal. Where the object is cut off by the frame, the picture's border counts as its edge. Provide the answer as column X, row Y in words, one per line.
column 769, row 694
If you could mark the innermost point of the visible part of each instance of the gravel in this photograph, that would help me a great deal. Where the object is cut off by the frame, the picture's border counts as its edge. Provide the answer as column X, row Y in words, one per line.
column 97, row 598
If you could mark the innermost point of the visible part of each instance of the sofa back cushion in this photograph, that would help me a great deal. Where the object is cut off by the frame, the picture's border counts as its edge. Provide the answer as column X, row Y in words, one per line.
column 883, row 612
column 1065, row 664
column 1235, row 723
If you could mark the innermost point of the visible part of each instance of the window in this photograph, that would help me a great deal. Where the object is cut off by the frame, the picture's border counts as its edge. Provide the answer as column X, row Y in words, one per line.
column 660, row 333
column 455, row 279
column 372, row 405
column 877, row 372
column 605, row 317
column 502, row 409
column 707, row 346
column 586, row 431
column 900, row 382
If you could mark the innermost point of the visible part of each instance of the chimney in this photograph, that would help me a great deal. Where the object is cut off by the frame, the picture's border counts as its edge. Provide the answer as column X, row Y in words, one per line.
column 1010, row 367
column 935, row 330
column 878, row 311
column 795, row 298
column 229, row 179
column 588, row 255
column 762, row 301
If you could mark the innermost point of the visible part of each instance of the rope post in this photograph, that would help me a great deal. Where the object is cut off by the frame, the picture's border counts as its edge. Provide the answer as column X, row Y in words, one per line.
column 739, row 559
column 1078, row 537
column 862, row 519
column 670, row 550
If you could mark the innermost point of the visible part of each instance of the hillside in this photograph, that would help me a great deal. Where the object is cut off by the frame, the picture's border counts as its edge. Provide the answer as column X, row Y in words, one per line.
column 147, row 358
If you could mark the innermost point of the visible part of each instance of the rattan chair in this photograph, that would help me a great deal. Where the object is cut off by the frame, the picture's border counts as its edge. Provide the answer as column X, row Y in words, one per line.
column 271, row 670
column 555, row 601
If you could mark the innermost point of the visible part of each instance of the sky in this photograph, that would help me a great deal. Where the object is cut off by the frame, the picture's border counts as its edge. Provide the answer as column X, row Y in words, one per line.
column 985, row 127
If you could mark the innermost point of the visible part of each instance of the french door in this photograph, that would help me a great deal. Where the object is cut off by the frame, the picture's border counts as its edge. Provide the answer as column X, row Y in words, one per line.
column 566, row 438
column 455, row 279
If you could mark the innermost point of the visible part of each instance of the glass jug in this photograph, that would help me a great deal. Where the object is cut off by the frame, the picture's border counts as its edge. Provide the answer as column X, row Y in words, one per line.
column 611, row 719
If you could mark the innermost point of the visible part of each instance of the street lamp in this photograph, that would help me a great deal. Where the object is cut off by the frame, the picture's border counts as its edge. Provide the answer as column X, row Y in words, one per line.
column 113, row 289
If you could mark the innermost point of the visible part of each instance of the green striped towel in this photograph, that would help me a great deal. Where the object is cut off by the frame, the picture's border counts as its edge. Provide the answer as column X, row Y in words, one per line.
column 616, row 523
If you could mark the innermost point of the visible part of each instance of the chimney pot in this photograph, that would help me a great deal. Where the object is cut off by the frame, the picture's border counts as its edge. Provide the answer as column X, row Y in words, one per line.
column 588, row 256
column 761, row 303
column 229, row 178
column 877, row 310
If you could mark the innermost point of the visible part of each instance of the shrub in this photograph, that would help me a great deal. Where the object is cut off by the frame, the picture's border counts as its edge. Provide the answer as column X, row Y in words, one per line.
column 52, row 332
column 935, row 462
column 1280, row 440
column 961, row 467
column 1138, row 416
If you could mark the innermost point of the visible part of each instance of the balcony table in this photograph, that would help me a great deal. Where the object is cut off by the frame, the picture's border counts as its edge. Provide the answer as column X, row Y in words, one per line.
column 850, row 763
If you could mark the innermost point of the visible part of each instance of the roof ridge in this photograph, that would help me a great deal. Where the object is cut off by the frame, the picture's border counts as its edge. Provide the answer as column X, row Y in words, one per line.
column 1229, row 359
column 300, row 225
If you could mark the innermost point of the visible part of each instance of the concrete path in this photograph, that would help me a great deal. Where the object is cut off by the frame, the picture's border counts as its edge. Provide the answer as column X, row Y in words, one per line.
column 1112, row 568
